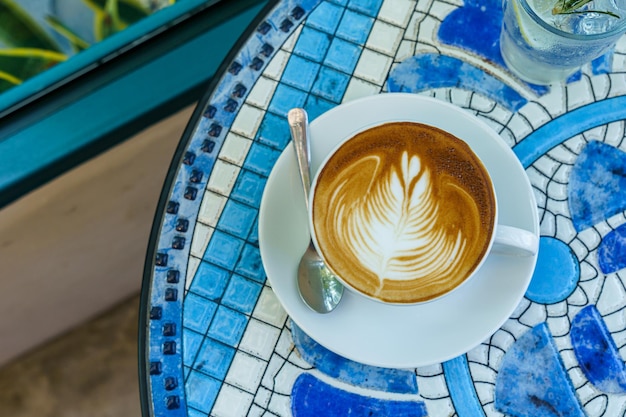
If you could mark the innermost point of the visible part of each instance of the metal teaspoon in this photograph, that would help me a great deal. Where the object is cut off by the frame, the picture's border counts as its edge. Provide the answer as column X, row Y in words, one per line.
column 318, row 287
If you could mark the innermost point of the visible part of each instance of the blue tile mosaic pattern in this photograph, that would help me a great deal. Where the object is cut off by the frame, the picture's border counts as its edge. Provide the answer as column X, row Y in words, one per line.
column 312, row 397
column 533, row 381
column 596, row 352
column 612, row 251
column 557, row 273
column 219, row 342
column 597, row 188
column 381, row 379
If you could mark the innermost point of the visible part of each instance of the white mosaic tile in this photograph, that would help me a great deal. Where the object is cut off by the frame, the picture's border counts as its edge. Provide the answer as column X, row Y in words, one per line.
column 255, row 411
column 235, row 149
column 273, row 367
column 223, row 177
column 192, row 267
column 424, row 5
column 613, row 297
column 263, row 397
column 482, row 103
column 396, row 12
column 259, row 339
column 618, row 81
column 211, row 208
column 245, row 372
column 372, row 66
column 231, row 402
column 442, row 9
column 276, row 66
column 280, row 405
column 262, row 92
column 412, row 28
column 291, row 40
column 358, row 88
column 615, row 133
column 384, row 38
column 536, row 114
column 428, row 28
column 285, row 345
column 520, row 126
column 405, row 50
column 601, row 86
column 247, row 121
column 269, row 309
column 579, row 93
column 201, row 236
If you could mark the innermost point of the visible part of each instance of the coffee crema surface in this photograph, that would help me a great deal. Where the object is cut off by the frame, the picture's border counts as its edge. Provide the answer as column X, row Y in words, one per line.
column 403, row 212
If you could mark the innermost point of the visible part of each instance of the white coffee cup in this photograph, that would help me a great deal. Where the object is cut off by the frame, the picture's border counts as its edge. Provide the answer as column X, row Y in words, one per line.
column 425, row 261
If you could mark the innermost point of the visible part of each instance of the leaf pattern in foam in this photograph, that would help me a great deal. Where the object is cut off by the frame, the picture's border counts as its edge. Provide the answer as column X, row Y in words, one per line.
column 393, row 226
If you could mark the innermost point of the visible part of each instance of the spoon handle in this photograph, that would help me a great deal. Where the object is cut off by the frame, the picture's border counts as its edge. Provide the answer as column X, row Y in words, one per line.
column 298, row 124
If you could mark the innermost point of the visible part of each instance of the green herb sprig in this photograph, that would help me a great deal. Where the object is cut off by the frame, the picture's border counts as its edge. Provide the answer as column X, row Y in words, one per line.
column 574, row 6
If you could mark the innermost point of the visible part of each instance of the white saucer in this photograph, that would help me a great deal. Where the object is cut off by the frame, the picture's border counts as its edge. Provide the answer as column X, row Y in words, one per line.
column 374, row 333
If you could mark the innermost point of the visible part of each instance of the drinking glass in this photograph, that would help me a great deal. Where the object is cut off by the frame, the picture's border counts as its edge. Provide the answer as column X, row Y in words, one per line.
column 542, row 48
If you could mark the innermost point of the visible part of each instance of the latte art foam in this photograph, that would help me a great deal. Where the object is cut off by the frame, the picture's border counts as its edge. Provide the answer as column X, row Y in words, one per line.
column 403, row 212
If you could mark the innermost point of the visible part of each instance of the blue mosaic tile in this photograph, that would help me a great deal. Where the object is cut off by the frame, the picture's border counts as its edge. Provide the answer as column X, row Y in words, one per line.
column 430, row 71
column 331, row 84
column 248, row 188
column 228, row 326
column 485, row 19
column 461, row 387
column 237, row 219
column 286, row 98
column 368, row 7
column 340, row 2
column 214, row 358
column 612, row 251
column 557, row 272
column 254, row 234
column 241, row 294
column 274, row 131
column 372, row 377
column 596, row 352
column 201, row 391
column 210, row 281
column 250, row 265
column 195, row 413
column 191, row 343
column 354, row 27
column 532, row 380
column 325, row 17
column 316, row 106
column 568, row 125
column 312, row 44
column 223, row 250
column 198, row 311
column 314, row 398
column 261, row 158
column 300, row 73
column 343, row 55
column 603, row 64
column 597, row 185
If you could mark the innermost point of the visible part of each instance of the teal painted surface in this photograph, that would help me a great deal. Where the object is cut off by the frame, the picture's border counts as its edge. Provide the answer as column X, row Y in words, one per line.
column 121, row 101
column 96, row 52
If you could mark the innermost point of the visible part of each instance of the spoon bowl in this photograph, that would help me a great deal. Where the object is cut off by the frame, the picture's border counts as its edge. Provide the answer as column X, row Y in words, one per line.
column 317, row 285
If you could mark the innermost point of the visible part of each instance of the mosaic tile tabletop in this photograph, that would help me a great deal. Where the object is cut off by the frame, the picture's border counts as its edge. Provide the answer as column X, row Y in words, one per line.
column 218, row 342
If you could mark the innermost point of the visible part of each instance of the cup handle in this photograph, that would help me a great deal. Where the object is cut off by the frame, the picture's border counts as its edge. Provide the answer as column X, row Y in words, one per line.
column 514, row 241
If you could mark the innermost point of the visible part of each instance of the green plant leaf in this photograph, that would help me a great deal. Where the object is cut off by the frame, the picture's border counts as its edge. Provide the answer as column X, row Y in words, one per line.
column 129, row 11
column 19, row 29
column 77, row 42
column 7, row 81
column 23, row 63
